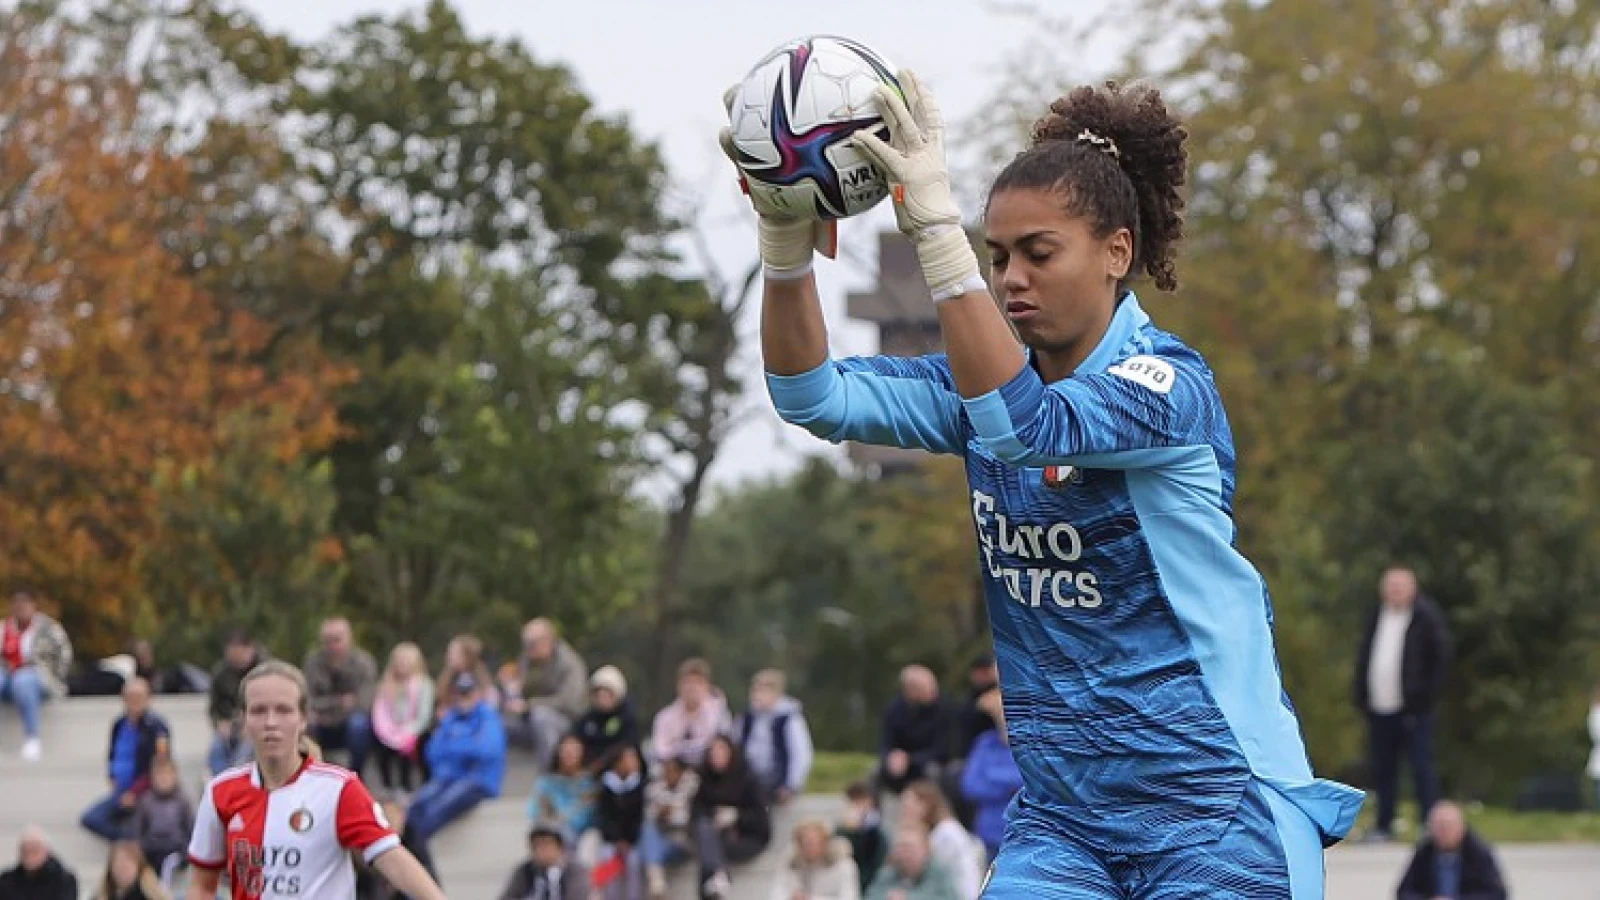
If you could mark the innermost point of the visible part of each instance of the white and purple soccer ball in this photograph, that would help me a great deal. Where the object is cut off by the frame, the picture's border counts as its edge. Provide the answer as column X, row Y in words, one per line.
column 792, row 117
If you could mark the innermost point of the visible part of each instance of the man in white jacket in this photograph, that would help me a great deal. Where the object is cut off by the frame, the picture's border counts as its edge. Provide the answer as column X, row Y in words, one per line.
column 775, row 737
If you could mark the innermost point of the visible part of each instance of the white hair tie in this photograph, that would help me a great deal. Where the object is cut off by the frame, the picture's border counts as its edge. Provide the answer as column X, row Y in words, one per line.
column 1100, row 142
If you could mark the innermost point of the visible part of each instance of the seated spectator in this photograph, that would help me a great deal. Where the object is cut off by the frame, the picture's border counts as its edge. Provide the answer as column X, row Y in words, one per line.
column 730, row 817
column 982, row 676
column 129, row 876
column 163, row 820
column 548, row 873
column 619, row 819
column 138, row 737
column 172, row 680
column 1452, row 863
column 35, row 657
column 912, row 874
column 610, row 721
column 820, row 868
column 923, row 807
column 973, row 720
column 775, row 738
column 564, row 794
column 664, row 839
column 228, row 745
column 401, row 712
column 990, row 778
column 464, row 653
column 862, row 826
column 685, row 727
column 38, row 874
column 916, row 732
column 552, row 689
column 341, row 678
column 467, row 758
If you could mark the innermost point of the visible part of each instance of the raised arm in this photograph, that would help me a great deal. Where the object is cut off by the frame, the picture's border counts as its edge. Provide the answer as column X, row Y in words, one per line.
column 893, row 401
column 902, row 405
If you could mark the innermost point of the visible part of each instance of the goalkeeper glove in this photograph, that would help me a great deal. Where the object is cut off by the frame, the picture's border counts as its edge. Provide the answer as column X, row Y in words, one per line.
column 924, row 206
column 785, row 241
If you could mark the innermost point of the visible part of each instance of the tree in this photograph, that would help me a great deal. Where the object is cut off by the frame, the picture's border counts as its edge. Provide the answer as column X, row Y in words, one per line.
column 246, row 536
column 118, row 366
column 488, row 539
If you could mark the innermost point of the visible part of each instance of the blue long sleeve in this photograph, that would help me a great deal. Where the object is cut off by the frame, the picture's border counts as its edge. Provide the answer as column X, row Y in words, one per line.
column 892, row 401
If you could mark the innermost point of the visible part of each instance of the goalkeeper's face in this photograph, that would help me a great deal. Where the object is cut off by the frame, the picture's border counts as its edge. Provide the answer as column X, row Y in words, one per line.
column 1054, row 278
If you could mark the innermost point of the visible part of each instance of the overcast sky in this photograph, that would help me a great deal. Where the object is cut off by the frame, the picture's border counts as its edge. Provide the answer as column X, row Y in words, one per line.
column 665, row 63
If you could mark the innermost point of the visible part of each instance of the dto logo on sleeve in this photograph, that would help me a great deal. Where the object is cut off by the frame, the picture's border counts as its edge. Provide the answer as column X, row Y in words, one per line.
column 1152, row 372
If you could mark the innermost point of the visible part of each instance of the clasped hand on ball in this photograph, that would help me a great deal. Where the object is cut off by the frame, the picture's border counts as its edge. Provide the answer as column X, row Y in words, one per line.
column 913, row 160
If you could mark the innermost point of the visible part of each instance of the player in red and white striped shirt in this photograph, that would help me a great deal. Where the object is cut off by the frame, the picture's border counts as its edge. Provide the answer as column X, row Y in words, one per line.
column 285, row 827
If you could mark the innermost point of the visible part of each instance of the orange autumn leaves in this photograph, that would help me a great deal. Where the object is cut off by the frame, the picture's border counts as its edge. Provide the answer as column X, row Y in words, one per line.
column 115, row 366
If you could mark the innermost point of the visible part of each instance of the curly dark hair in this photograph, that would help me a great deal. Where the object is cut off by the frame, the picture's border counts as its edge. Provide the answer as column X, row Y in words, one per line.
column 1116, row 155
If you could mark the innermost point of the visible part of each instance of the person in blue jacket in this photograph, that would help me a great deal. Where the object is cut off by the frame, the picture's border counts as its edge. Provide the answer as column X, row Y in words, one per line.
column 990, row 779
column 466, row 761
column 1159, row 753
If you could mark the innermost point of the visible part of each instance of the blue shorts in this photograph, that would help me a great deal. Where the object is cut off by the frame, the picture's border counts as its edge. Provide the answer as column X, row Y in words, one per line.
column 1270, row 851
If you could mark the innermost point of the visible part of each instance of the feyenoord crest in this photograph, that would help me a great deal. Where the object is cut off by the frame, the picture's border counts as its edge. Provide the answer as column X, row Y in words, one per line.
column 300, row 821
column 1058, row 477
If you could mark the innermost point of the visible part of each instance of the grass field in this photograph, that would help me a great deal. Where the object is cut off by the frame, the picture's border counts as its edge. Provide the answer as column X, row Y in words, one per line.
column 833, row 771
column 1505, row 826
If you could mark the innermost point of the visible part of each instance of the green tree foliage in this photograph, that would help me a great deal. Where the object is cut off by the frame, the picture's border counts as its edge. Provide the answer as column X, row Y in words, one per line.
column 247, row 537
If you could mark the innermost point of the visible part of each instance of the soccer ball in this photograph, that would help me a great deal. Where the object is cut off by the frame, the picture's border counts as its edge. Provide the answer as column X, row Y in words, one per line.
column 791, row 117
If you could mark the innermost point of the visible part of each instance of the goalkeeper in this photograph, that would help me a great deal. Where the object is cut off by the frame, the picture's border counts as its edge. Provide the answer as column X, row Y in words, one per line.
column 1160, row 755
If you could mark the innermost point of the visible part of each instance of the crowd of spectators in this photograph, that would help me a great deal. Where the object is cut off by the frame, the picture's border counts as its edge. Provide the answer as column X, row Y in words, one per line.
column 617, row 804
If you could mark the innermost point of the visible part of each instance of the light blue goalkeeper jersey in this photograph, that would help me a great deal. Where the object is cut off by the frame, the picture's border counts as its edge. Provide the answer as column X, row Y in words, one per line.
column 1134, row 642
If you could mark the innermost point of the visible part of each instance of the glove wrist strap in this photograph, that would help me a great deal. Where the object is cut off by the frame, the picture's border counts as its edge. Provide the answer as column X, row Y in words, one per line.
column 948, row 264
column 786, row 246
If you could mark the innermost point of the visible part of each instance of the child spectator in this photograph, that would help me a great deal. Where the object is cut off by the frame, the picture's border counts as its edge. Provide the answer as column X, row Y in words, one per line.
column 731, row 821
column 665, row 839
column 564, row 796
column 548, row 873
column 163, row 820
column 619, row 818
column 401, row 713
column 862, row 827
column 610, row 721
column 821, row 867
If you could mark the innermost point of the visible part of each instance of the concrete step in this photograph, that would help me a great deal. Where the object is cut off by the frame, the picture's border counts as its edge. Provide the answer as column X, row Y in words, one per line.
column 74, row 731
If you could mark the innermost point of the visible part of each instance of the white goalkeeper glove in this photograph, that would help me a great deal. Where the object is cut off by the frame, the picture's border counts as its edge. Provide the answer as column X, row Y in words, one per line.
column 924, row 206
column 785, row 241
